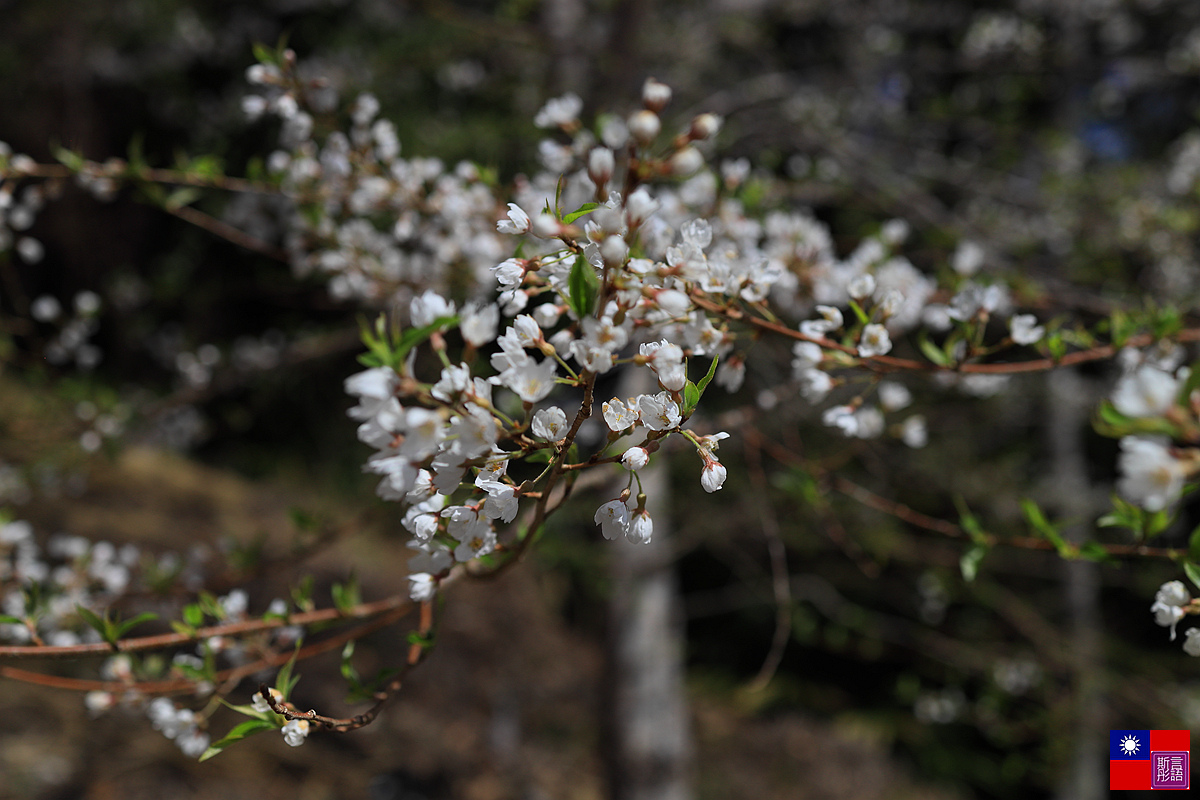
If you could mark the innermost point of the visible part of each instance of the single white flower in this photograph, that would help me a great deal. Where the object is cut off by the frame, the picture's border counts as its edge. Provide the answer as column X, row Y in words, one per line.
column 1150, row 476
column 712, row 477
column 295, row 732
column 1025, row 330
column 613, row 518
column 559, row 112
column 1148, row 392
column 659, row 412
column 421, row 587
column 894, row 396
column 193, row 742
column 509, row 273
column 618, row 416
column 635, row 458
column 1167, row 616
column 842, row 418
column 479, row 324
column 429, row 307
column 532, row 381
column 549, row 424
column 815, row 384
column 1173, row 593
column 260, row 704
column 517, row 222
column 874, row 341
column 1191, row 641
column 640, row 529
column 914, row 432
column 862, row 286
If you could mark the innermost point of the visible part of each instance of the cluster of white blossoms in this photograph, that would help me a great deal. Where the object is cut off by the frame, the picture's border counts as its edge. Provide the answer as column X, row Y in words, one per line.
column 179, row 725
column 43, row 586
column 1153, row 470
column 1171, row 604
column 19, row 207
column 440, row 222
column 632, row 252
column 626, row 251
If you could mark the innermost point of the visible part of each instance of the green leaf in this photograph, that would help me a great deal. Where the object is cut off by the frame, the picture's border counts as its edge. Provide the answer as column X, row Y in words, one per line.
column 970, row 523
column 240, row 731
column 692, row 392
column 415, row 336
column 969, row 563
column 579, row 212
column 346, row 596
column 122, row 628
column 691, row 398
column 284, row 680
column 210, row 605
column 1056, row 345
column 712, row 370
column 1157, row 522
column 94, row 621
column 348, row 670
column 1193, row 573
column 183, row 196
column 1094, row 551
column 422, row 640
column 1037, row 519
column 583, row 286
column 262, row 53
column 934, row 353
column 7, row 620
column 69, row 158
column 302, row 594
column 858, row 312
column 1194, row 545
column 193, row 615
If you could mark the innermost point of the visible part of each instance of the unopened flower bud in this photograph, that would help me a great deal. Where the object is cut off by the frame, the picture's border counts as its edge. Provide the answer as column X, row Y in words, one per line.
column 686, row 161
column 600, row 165
column 644, row 125
column 705, row 126
column 712, row 477
column 545, row 226
column 655, row 95
column 614, row 251
column 635, row 458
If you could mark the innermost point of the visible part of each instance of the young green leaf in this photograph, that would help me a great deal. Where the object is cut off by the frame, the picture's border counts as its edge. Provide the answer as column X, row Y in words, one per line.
column 934, row 353
column 122, row 628
column 579, row 212
column 1193, row 572
column 583, row 286
column 285, row 681
column 240, row 731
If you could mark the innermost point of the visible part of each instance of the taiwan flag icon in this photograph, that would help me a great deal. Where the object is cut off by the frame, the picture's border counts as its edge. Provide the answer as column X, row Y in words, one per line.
column 1149, row 759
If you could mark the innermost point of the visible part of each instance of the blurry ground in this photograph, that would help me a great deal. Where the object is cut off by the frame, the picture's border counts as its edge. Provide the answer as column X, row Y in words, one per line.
column 506, row 707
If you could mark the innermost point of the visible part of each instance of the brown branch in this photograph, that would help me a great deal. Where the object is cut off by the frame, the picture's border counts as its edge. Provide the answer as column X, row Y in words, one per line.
column 162, row 641
column 120, row 170
column 780, row 585
column 895, row 364
column 941, row 526
column 186, row 685
column 416, row 652
column 226, row 231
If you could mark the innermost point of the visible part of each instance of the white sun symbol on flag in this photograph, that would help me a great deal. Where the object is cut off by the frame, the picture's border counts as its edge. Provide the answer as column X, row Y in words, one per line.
column 1129, row 745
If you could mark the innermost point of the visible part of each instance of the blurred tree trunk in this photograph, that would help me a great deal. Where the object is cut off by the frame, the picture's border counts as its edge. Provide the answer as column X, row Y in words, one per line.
column 648, row 743
column 1070, row 400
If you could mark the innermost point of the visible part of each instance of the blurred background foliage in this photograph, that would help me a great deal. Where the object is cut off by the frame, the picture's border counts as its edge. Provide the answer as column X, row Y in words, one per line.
column 1060, row 135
